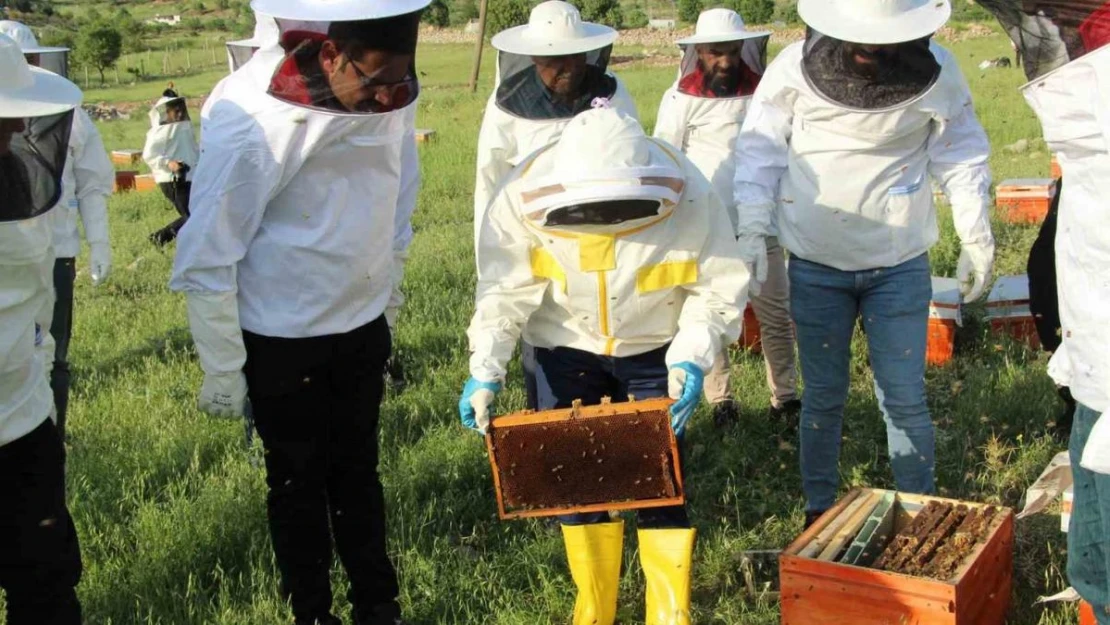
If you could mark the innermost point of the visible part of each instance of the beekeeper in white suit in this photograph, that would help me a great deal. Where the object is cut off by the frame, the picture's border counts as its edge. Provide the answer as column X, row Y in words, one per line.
column 701, row 114
column 548, row 71
column 291, row 264
column 611, row 254
column 87, row 183
column 265, row 34
column 844, row 132
column 1066, row 56
column 40, row 561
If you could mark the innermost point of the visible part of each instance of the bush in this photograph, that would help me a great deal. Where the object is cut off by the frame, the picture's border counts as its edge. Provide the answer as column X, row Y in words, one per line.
column 606, row 12
column 688, row 10
column 218, row 24
column 502, row 14
column 462, row 11
column 788, row 13
column 969, row 12
column 636, row 18
column 437, row 14
column 756, row 11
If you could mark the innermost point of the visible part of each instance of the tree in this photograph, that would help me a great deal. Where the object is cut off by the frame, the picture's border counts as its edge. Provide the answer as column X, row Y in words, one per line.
column 462, row 11
column 636, row 18
column 502, row 14
column 606, row 12
column 757, row 11
column 437, row 14
column 788, row 13
column 688, row 10
column 98, row 46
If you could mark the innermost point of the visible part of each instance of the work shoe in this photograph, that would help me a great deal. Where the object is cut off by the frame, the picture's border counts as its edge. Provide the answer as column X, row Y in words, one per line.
column 725, row 413
column 666, row 557
column 790, row 410
column 812, row 516
column 329, row 619
column 382, row 614
column 594, row 556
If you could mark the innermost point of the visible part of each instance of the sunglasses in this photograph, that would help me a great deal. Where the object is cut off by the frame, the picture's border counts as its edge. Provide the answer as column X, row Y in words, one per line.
column 385, row 96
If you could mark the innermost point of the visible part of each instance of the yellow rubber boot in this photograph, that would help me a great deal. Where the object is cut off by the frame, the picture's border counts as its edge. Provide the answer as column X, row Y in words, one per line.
column 666, row 557
column 594, row 555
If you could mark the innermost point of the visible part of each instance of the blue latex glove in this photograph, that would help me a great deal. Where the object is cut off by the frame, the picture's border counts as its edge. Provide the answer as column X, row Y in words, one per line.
column 684, row 384
column 474, row 405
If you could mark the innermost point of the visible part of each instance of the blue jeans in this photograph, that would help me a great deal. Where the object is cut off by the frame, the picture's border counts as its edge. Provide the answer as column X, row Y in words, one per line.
column 564, row 374
column 1089, row 530
column 894, row 305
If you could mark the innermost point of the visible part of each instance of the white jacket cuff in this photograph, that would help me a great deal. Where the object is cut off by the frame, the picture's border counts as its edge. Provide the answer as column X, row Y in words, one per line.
column 94, row 216
column 214, row 321
column 700, row 348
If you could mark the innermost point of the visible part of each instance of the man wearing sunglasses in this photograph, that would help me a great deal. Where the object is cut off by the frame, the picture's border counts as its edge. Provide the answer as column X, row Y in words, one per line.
column 291, row 262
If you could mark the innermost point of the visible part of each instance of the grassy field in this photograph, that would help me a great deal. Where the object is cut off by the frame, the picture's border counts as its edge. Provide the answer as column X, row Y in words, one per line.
column 171, row 512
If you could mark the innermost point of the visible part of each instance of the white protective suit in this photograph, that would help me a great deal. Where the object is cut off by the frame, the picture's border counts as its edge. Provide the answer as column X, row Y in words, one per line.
column 844, row 188
column 300, row 218
column 1073, row 104
column 618, row 290
column 175, row 141
column 86, row 185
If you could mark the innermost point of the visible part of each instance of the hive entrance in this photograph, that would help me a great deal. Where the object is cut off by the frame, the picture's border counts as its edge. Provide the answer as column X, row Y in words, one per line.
column 585, row 459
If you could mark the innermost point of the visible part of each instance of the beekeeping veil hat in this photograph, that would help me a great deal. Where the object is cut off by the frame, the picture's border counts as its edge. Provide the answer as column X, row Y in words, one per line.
column 1051, row 33
column 31, row 170
column 52, row 59
column 304, row 26
column 602, row 174
column 554, row 29
column 840, row 61
column 723, row 31
column 158, row 112
column 266, row 34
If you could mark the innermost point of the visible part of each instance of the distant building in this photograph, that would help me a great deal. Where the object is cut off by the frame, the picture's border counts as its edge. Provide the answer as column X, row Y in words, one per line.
column 172, row 20
column 662, row 24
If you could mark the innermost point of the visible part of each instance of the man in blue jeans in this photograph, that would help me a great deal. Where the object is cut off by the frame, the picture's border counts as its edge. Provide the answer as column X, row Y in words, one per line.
column 834, row 157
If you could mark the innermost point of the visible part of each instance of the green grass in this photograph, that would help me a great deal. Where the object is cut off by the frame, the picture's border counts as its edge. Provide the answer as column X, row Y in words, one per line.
column 171, row 513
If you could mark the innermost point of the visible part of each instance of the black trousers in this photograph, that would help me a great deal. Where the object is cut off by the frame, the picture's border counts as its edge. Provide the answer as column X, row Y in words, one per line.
column 316, row 403
column 61, row 328
column 40, row 560
column 178, row 195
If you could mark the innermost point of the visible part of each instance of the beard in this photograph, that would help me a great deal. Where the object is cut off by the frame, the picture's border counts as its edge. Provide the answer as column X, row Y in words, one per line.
column 721, row 83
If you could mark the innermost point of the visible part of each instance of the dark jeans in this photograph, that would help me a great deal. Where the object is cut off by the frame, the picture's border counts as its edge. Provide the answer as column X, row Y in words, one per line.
column 178, row 195
column 61, row 328
column 40, row 560
column 316, row 403
column 564, row 375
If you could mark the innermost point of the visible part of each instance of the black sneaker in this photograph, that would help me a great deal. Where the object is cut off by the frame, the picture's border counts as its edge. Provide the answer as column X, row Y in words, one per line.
column 725, row 413
column 812, row 516
column 329, row 619
column 791, row 409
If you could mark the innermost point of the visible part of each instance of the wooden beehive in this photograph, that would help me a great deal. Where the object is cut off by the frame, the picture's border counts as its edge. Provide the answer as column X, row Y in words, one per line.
column 944, row 317
column 126, row 157
column 1086, row 614
column 125, row 181
column 1025, row 200
column 751, row 338
column 145, row 182
column 830, row 593
column 1008, row 310
column 425, row 135
column 613, row 456
column 1054, row 169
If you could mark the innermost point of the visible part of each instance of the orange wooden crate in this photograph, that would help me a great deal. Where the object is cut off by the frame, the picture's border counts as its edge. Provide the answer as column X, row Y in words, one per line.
column 1025, row 200
column 751, row 337
column 145, row 182
column 126, row 157
column 941, row 343
column 1054, row 169
column 1021, row 329
column 830, row 593
column 1086, row 614
column 125, row 181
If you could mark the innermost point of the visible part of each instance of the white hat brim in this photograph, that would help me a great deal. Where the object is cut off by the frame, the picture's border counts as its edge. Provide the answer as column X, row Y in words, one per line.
column 42, row 50
column 597, row 36
column 721, row 37
column 244, row 43
column 829, row 18
column 49, row 94
column 336, row 10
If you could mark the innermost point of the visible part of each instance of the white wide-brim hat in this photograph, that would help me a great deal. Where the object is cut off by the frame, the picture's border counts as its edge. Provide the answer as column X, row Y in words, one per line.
column 30, row 91
column 718, row 25
column 875, row 22
column 337, row 10
column 554, row 28
column 25, row 38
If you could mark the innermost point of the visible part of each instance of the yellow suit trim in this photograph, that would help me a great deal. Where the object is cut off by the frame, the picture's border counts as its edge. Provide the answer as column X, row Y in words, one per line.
column 666, row 275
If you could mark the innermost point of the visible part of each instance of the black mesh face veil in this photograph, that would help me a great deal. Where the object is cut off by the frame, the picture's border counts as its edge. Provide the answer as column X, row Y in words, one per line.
column 31, row 172
column 868, row 77
column 605, row 213
column 522, row 92
column 54, row 61
column 239, row 55
column 1051, row 33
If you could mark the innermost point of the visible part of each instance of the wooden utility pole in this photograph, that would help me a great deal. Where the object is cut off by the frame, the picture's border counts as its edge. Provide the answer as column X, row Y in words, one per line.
column 478, row 46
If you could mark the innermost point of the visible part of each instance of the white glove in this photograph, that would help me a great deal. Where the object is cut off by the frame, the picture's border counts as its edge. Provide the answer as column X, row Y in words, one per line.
column 974, row 269
column 224, row 394
column 214, row 321
column 100, row 262
column 753, row 250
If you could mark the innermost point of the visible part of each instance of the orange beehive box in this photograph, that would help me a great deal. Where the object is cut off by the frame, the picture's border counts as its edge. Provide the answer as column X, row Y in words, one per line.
column 1086, row 614
column 1054, row 169
column 1008, row 310
column 830, row 593
column 145, row 182
column 125, row 181
column 126, row 157
column 750, row 337
column 944, row 317
column 1025, row 200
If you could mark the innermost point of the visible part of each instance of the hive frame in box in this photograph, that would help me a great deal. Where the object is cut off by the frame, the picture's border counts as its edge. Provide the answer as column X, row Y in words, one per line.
column 831, row 593
column 578, row 412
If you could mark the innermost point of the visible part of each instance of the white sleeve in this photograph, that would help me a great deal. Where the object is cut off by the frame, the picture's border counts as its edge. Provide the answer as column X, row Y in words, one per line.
column 507, row 293
column 402, row 224
column 711, row 314
column 762, row 154
column 155, row 150
column 670, row 122
column 623, row 102
column 1102, row 102
column 93, row 176
column 958, row 156
column 493, row 166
